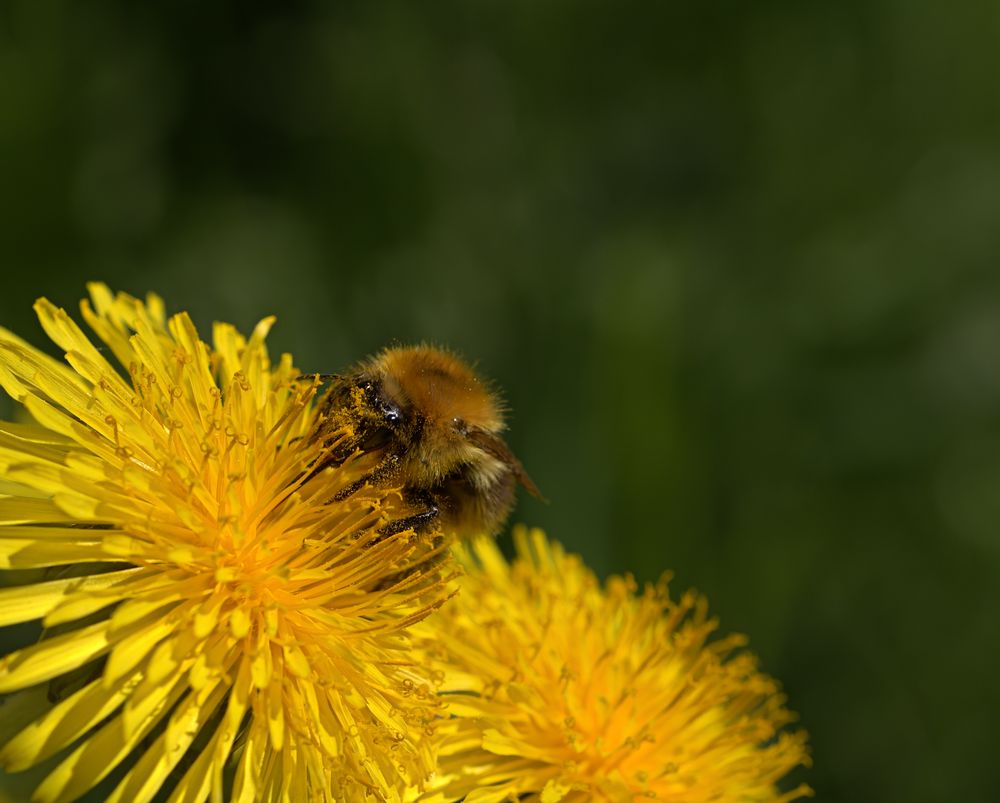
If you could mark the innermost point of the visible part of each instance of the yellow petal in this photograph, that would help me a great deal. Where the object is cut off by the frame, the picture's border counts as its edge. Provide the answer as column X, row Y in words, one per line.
column 554, row 791
column 31, row 433
column 261, row 665
column 144, row 780
column 54, row 480
column 11, row 344
column 14, row 450
column 200, row 372
column 30, row 532
column 66, row 334
column 239, row 623
column 322, row 719
column 296, row 661
column 108, row 329
column 24, row 603
column 50, row 416
column 34, row 370
column 20, row 709
column 206, row 771
column 488, row 795
column 247, row 783
column 18, row 510
column 131, row 650
column 151, row 593
column 104, row 750
column 64, row 723
column 78, row 606
column 275, row 716
column 207, row 616
column 52, row 657
column 31, row 554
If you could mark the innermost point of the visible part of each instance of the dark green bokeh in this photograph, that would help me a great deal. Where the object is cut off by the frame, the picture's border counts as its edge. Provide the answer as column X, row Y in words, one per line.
column 735, row 265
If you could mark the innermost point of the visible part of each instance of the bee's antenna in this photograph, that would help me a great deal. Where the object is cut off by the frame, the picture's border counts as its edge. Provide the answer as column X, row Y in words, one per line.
column 319, row 377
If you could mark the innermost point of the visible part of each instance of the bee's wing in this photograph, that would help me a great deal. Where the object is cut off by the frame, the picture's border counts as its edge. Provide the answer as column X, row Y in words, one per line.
column 495, row 447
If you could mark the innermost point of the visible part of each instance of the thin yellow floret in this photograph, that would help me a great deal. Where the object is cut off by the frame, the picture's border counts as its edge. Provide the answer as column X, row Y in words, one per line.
column 216, row 619
column 561, row 688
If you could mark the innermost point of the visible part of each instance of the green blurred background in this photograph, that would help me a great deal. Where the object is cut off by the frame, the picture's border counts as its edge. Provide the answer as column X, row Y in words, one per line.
column 735, row 265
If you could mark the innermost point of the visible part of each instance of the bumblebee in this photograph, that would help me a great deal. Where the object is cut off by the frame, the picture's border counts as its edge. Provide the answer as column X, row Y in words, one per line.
column 436, row 429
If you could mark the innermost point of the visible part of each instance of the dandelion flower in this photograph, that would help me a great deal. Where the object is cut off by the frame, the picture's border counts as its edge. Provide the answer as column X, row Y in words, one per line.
column 564, row 689
column 218, row 623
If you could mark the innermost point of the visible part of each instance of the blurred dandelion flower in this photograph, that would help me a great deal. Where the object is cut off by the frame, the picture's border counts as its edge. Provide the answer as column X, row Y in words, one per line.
column 217, row 622
column 562, row 689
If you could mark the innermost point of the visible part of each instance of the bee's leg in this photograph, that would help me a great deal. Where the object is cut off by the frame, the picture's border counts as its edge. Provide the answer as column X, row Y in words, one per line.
column 330, row 457
column 418, row 521
column 314, row 467
column 382, row 472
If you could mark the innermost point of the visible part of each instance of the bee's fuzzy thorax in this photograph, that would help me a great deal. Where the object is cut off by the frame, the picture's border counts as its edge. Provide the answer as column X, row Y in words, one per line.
column 440, row 386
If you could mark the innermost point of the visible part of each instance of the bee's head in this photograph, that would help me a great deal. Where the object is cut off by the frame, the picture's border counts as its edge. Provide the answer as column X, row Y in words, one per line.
column 378, row 404
column 380, row 416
